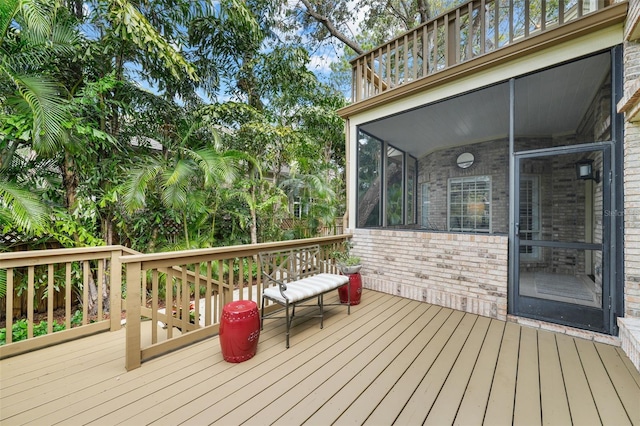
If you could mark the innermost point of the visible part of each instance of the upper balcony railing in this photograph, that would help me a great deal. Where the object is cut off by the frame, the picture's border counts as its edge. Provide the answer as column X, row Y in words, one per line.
column 473, row 29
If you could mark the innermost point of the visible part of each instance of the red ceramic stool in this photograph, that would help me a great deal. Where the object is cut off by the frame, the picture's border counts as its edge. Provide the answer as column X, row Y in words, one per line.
column 355, row 282
column 239, row 330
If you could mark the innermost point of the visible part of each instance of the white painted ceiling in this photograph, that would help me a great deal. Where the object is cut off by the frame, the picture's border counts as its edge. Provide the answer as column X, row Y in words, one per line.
column 548, row 103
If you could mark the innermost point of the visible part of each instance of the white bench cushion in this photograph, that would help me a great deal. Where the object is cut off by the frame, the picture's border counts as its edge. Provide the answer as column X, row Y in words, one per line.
column 307, row 287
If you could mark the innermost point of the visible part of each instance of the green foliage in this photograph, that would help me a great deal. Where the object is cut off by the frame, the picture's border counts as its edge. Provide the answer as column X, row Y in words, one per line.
column 3, row 283
column 20, row 209
column 70, row 87
column 343, row 257
column 130, row 25
column 19, row 329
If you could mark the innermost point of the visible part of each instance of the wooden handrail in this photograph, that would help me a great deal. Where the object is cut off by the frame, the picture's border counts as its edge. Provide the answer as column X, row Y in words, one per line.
column 59, row 274
column 214, row 275
column 166, row 278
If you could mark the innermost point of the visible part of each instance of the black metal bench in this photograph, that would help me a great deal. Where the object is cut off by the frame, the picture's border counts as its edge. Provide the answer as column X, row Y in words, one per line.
column 294, row 276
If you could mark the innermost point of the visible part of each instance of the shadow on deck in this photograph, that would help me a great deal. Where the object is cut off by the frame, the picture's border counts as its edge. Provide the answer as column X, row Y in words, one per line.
column 393, row 360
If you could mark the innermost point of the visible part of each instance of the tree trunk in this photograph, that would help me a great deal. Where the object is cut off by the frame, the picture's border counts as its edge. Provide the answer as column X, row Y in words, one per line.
column 92, row 308
column 423, row 10
column 69, row 181
column 254, row 218
column 330, row 26
column 372, row 197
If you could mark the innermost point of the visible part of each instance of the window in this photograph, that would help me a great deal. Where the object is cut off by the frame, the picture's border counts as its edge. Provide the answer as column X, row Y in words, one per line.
column 411, row 190
column 529, row 215
column 301, row 206
column 395, row 190
column 387, row 179
column 369, row 184
column 470, row 204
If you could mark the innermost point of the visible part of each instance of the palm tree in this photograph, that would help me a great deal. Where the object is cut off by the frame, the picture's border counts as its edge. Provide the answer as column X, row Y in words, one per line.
column 317, row 190
column 180, row 173
column 34, row 110
column 30, row 36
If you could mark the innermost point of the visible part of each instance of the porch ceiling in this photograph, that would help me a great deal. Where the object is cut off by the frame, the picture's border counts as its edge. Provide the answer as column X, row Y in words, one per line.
column 550, row 103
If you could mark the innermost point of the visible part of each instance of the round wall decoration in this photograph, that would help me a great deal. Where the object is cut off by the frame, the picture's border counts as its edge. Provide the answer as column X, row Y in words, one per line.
column 465, row 160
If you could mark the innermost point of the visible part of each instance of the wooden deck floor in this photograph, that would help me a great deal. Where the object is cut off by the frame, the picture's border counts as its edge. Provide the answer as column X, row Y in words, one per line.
column 392, row 361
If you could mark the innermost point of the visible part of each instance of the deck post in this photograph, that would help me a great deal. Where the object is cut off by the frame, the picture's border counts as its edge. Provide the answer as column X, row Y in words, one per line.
column 132, row 345
column 115, row 291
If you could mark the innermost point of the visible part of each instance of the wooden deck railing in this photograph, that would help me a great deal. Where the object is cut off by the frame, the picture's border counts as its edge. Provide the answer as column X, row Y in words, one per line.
column 78, row 276
column 185, row 291
column 473, row 29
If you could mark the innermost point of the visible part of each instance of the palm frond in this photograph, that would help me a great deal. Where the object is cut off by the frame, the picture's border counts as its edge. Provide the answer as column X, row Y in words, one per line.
column 182, row 172
column 217, row 168
column 136, row 185
column 8, row 9
column 36, row 15
column 41, row 98
column 175, row 196
column 21, row 207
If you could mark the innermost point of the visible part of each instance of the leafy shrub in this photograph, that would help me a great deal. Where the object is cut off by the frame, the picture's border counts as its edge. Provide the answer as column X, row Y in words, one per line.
column 19, row 329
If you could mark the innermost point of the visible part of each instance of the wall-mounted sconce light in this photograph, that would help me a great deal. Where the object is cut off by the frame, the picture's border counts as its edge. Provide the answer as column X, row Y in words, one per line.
column 584, row 170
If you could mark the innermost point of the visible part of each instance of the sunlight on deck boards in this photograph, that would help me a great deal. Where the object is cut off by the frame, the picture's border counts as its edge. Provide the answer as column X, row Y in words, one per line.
column 392, row 360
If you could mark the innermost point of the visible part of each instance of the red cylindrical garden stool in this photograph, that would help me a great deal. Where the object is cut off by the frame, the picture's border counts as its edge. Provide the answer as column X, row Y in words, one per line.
column 355, row 282
column 239, row 330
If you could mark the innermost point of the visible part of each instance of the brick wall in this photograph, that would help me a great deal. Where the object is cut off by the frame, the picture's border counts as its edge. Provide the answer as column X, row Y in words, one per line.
column 491, row 159
column 632, row 186
column 460, row 271
column 562, row 197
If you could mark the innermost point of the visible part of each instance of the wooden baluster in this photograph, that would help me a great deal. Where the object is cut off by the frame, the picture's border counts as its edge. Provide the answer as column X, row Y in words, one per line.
column 30, row 296
column 209, row 294
column 425, row 50
column 414, row 62
column 354, row 82
column 228, row 289
column 580, row 9
column 483, row 26
column 85, row 291
column 186, row 299
column 496, row 24
column 449, row 38
column 396, row 77
column 388, row 64
column 50, row 298
column 9, row 308
column 169, row 302
column 436, row 41
column 100, row 287
column 405, row 71
column 470, row 32
column 196, row 294
column 360, row 80
column 380, row 71
column 67, row 291
column 250, row 276
column 154, row 306
column 372, row 81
